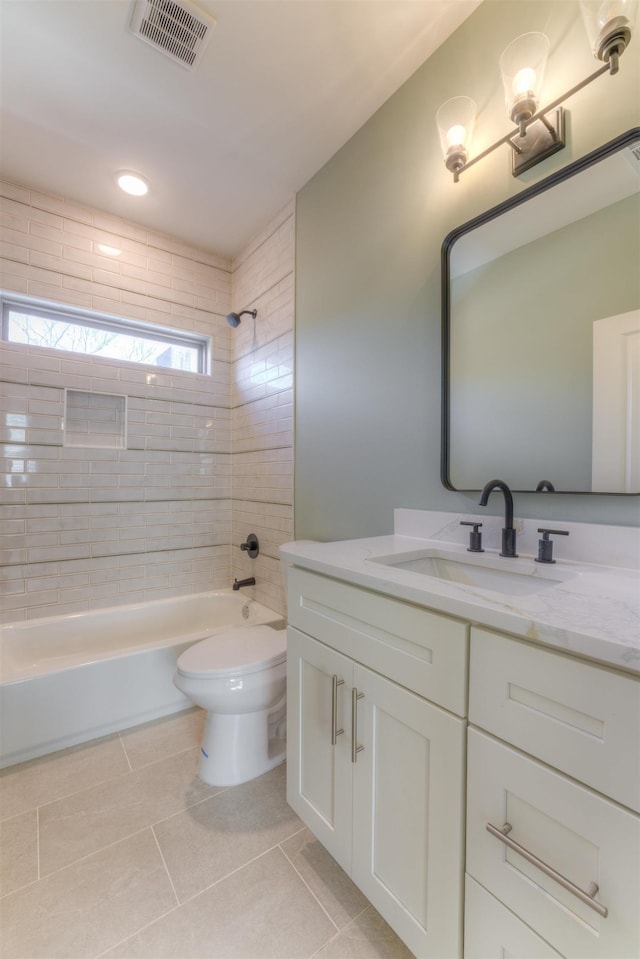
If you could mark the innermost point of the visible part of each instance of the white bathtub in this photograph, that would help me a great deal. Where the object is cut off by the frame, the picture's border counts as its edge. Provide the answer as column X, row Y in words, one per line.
column 68, row 679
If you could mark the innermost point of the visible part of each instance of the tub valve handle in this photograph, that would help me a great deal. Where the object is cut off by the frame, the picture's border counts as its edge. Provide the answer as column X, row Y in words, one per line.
column 252, row 547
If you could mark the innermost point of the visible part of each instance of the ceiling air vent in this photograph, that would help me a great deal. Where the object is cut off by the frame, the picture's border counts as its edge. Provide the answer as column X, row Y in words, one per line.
column 177, row 29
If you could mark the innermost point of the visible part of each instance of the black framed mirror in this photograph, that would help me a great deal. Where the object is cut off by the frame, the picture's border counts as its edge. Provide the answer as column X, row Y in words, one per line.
column 541, row 333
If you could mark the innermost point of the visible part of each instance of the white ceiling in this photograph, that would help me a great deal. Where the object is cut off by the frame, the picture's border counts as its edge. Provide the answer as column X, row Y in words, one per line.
column 282, row 86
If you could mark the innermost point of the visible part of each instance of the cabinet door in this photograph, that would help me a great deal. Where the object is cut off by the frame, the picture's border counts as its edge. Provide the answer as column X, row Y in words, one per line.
column 319, row 771
column 492, row 932
column 408, row 813
column 582, row 837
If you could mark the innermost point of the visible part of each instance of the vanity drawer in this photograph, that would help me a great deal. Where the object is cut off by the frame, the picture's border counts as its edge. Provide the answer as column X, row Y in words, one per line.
column 492, row 932
column 578, row 717
column 423, row 651
column 576, row 832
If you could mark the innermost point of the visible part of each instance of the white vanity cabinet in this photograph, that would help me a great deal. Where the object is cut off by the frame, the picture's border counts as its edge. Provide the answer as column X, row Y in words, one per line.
column 376, row 749
column 554, row 772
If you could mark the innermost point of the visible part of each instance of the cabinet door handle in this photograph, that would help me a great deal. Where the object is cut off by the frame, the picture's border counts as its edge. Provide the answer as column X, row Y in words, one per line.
column 355, row 748
column 335, row 732
column 584, row 896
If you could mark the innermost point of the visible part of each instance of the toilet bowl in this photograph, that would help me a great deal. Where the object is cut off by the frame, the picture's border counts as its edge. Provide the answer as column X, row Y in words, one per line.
column 239, row 677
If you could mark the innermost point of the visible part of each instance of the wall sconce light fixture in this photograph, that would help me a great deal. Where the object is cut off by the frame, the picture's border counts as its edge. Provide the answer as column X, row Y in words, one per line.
column 455, row 120
column 540, row 132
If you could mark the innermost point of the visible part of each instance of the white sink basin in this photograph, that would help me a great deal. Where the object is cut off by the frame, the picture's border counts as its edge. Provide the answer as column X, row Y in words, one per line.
column 509, row 576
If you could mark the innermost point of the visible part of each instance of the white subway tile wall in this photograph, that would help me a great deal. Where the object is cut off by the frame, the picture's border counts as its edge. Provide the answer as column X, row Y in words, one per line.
column 88, row 528
column 262, row 404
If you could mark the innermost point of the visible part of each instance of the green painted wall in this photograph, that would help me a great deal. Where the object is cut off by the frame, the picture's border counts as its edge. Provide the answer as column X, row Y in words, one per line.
column 369, row 230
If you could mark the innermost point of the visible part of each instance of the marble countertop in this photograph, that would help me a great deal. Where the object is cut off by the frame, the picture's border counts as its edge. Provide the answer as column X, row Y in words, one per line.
column 593, row 613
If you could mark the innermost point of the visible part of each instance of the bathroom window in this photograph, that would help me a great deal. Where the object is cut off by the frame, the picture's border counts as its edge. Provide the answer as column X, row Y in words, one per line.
column 96, row 335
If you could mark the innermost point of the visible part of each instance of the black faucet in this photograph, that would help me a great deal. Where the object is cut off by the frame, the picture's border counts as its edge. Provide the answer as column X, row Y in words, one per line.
column 251, row 581
column 545, row 486
column 508, row 532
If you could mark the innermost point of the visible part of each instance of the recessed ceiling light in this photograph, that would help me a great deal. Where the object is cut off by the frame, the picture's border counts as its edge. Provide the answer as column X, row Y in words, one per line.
column 132, row 183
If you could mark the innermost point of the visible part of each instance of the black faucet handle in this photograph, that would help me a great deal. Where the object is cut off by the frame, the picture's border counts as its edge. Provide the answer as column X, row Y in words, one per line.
column 475, row 537
column 545, row 545
column 252, row 547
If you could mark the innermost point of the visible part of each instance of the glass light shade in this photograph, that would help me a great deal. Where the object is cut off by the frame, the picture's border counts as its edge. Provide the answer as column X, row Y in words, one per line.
column 609, row 25
column 522, row 66
column 455, row 120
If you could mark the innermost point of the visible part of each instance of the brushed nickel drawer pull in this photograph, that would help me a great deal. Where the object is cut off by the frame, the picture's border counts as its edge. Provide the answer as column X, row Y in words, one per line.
column 586, row 897
column 335, row 732
column 355, row 748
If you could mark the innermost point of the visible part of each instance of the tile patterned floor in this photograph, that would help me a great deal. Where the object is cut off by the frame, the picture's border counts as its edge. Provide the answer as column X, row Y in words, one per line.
column 116, row 850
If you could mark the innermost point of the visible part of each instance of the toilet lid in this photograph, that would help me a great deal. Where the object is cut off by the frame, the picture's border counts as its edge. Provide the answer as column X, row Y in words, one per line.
column 246, row 649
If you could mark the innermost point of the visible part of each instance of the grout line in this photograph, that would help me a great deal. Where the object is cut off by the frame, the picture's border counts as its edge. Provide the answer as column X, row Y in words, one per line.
column 126, row 754
column 97, row 852
column 120, row 838
column 299, row 874
column 340, row 931
column 147, row 925
column 253, row 250
column 163, row 758
column 324, row 946
column 38, row 840
column 164, row 863
column 228, row 875
column 67, row 795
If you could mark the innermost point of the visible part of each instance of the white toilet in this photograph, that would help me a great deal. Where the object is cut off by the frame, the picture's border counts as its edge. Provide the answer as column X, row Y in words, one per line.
column 239, row 677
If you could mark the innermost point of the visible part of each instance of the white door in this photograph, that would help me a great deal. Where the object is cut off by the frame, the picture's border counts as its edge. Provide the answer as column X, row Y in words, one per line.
column 408, row 813
column 318, row 739
column 616, row 404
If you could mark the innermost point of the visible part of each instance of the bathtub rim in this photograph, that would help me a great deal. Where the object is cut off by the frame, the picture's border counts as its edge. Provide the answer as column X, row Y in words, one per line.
column 13, row 672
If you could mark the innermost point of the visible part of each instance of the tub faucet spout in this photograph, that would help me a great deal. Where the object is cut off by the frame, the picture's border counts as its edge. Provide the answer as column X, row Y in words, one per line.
column 250, row 581
column 508, row 531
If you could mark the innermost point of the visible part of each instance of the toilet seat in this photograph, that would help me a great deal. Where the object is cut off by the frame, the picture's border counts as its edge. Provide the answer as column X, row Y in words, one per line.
column 240, row 651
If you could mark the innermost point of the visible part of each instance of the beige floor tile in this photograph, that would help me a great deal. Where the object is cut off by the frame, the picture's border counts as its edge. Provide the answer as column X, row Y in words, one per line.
column 18, row 852
column 85, row 909
column 215, row 837
column 43, row 780
column 89, row 820
column 327, row 880
column 153, row 741
column 367, row 937
column 264, row 911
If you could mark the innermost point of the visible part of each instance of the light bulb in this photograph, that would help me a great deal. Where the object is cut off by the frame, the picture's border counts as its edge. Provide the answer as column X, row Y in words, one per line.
column 522, row 67
column 456, row 135
column 610, row 26
column 455, row 125
column 524, row 82
column 608, row 10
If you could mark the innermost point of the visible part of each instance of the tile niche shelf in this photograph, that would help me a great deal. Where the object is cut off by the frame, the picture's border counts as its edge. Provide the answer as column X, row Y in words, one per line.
column 97, row 420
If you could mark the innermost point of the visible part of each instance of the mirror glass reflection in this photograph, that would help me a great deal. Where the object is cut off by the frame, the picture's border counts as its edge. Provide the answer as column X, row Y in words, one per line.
column 541, row 331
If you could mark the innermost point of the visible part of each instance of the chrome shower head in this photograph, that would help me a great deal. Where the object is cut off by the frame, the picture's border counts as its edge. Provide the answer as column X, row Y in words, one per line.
column 233, row 319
